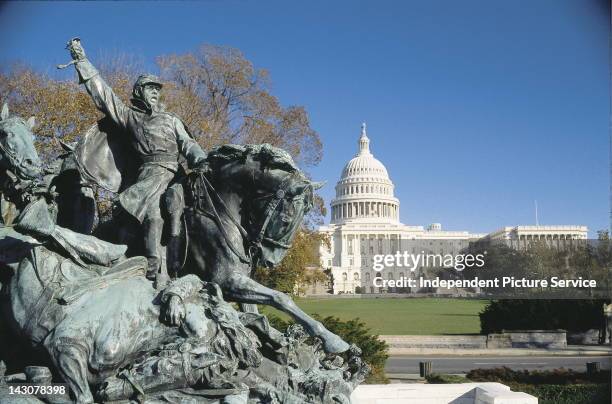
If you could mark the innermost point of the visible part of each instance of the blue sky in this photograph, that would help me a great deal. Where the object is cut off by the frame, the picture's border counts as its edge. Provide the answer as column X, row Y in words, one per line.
column 477, row 108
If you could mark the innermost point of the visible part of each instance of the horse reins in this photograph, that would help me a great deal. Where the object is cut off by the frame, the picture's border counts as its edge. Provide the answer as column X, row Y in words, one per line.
column 254, row 244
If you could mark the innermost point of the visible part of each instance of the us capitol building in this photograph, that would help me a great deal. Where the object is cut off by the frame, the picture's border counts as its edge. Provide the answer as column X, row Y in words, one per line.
column 365, row 221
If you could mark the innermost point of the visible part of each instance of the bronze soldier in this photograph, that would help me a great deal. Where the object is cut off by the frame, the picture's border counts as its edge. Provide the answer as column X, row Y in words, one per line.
column 158, row 137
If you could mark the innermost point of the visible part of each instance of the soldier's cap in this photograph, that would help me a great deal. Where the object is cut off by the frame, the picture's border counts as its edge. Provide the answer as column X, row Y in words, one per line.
column 145, row 79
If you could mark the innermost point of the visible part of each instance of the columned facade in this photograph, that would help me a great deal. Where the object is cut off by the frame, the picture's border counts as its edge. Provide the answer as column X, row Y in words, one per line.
column 365, row 222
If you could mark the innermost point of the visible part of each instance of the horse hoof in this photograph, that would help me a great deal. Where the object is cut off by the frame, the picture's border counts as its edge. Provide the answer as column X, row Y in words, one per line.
column 335, row 345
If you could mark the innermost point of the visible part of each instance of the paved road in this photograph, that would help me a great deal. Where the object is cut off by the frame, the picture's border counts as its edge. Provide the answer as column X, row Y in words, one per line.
column 410, row 364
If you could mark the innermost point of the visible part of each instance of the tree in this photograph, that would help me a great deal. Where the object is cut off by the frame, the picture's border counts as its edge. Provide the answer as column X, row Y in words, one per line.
column 299, row 268
column 219, row 93
column 62, row 111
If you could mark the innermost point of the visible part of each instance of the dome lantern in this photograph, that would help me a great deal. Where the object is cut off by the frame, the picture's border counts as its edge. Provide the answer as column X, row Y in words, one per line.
column 364, row 142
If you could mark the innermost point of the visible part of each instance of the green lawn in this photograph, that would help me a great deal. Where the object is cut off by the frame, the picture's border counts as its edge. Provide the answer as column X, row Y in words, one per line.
column 411, row 316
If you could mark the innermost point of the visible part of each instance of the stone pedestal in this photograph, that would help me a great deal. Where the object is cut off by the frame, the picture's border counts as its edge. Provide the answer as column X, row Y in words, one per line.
column 464, row 393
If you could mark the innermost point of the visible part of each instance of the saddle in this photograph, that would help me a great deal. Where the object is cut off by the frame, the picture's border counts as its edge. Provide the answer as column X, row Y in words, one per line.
column 128, row 268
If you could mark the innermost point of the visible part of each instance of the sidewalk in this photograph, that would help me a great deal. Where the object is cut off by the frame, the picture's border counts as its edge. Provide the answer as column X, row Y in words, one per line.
column 571, row 350
column 395, row 378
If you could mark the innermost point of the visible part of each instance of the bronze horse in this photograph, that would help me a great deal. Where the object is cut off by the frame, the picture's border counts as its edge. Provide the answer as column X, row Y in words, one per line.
column 243, row 212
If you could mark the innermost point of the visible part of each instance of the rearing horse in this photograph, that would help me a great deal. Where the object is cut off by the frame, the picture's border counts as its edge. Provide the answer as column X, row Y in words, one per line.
column 247, row 214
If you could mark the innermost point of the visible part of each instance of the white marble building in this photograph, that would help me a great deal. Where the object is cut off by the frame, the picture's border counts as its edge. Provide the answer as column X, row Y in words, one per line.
column 365, row 222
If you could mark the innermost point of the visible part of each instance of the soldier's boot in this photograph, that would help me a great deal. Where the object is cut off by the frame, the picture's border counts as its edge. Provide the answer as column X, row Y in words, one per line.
column 153, row 227
column 36, row 220
column 175, row 204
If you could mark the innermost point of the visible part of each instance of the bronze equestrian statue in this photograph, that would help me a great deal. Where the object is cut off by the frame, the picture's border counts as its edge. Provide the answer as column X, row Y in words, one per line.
column 105, row 327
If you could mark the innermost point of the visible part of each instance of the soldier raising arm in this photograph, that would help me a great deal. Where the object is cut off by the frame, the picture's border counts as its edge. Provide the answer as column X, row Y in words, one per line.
column 101, row 93
column 157, row 137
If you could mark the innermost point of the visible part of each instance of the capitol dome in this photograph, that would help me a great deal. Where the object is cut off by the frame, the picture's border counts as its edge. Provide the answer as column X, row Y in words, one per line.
column 364, row 163
column 364, row 192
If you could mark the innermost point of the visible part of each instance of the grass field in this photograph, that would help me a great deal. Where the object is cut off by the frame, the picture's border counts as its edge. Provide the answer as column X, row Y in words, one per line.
column 401, row 316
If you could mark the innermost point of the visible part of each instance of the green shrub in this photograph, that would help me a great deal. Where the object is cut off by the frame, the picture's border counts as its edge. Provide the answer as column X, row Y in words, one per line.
column 441, row 378
column 374, row 351
column 566, row 394
column 277, row 322
column 557, row 386
column 556, row 376
column 570, row 315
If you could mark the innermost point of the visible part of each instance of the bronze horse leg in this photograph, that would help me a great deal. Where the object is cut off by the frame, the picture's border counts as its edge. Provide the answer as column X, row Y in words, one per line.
column 243, row 289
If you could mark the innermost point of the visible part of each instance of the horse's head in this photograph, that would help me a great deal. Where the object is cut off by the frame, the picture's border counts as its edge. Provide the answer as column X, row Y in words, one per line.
column 277, row 211
column 274, row 195
column 17, row 152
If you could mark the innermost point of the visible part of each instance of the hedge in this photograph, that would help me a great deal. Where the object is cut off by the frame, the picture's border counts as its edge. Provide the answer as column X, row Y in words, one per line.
column 566, row 394
column 569, row 315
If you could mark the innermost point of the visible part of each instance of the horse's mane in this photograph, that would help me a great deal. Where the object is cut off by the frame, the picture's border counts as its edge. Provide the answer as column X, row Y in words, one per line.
column 268, row 155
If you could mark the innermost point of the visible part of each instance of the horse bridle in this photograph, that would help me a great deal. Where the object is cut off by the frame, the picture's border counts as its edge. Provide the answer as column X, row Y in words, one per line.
column 17, row 163
column 254, row 243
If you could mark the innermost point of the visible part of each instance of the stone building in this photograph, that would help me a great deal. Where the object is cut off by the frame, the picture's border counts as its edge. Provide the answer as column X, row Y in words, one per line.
column 365, row 222
column 555, row 236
